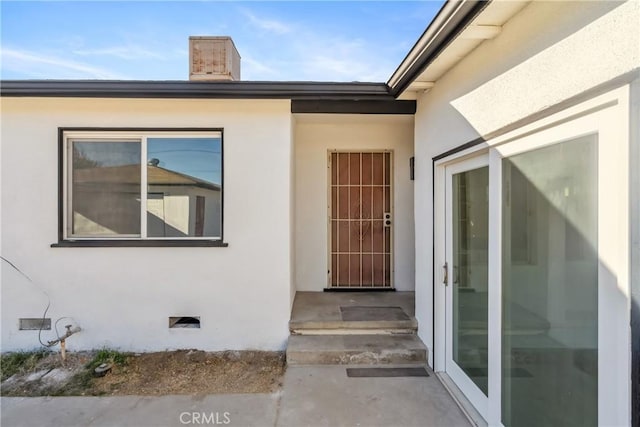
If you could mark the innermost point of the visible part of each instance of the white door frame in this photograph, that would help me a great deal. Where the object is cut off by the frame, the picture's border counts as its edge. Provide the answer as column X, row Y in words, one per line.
column 608, row 116
column 457, row 375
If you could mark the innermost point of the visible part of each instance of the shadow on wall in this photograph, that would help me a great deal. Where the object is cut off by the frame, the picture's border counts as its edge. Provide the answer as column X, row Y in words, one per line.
column 553, row 281
column 528, row 73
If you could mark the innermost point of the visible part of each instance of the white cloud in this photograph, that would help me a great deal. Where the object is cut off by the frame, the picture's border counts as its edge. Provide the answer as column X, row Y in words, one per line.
column 181, row 52
column 269, row 25
column 251, row 67
column 309, row 54
column 123, row 52
column 317, row 57
column 40, row 65
column 344, row 68
column 340, row 59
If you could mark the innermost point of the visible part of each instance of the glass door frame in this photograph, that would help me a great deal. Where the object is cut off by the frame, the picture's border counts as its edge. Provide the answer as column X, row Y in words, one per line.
column 606, row 115
column 470, row 389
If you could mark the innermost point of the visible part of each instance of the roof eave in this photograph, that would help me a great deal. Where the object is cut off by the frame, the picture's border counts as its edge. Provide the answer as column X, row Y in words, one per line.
column 189, row 89
column 451, row 20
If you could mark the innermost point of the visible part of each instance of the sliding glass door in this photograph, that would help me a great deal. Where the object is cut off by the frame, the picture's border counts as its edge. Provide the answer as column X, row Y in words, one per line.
column 550, row 285
column 532, row 305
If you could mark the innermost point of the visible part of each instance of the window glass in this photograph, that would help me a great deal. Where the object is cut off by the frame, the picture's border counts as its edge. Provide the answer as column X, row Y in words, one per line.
column 550, row 286
column 105, row 188
column 470, row 274
column 184, row 187
column 104, row 194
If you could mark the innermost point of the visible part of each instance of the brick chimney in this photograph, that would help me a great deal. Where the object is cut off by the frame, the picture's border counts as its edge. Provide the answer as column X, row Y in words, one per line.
column 213, row 59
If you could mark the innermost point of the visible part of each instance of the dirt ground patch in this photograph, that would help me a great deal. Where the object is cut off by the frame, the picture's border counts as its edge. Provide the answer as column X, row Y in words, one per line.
column 162, row 373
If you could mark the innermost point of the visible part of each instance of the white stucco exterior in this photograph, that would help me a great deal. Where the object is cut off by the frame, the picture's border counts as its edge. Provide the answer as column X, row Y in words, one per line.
column 554, row 72
column 275, row 196
column 555, row 68
column 547, row 53
column 122, row 297
column 315, row 136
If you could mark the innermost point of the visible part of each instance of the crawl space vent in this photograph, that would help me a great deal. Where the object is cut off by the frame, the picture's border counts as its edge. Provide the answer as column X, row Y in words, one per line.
column 35, row 324
column 184, row 322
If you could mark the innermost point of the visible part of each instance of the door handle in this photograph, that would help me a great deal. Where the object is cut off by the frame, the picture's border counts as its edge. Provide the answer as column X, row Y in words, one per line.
column 387, row 219
column 446, row 274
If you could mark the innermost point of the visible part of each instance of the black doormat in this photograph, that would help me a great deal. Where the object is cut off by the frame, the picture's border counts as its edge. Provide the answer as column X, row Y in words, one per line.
column 347, row 289
column 363, row 313
column 386, row 372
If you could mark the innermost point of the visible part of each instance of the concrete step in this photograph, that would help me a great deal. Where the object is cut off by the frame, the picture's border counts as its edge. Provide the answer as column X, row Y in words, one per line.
column 355, row 350
column 355, row 320
column 341, row 327
column 357, row 313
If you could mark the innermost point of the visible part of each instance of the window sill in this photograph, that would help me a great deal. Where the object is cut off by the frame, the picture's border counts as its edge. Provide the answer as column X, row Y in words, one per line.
column 105, row 243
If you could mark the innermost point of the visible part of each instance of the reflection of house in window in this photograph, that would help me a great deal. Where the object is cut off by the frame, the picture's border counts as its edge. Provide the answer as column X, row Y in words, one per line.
column 107, row 200
column 180, row 205
column 177, row 194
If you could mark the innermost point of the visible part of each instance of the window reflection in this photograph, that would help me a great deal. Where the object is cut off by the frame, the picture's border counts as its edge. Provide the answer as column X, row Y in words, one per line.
column 550, row 286
column 106, row 188
column 184, row 177
column 470, row 274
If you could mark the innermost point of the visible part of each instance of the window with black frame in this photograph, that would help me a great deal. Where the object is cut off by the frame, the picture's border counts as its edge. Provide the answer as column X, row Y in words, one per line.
column 143, row 185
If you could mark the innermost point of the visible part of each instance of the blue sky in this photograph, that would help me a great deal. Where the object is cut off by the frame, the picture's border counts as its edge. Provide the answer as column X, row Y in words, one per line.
column 198, row 157
column 148, row 40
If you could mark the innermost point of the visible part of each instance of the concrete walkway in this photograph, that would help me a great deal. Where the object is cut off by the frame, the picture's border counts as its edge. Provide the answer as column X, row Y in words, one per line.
column 311, row 396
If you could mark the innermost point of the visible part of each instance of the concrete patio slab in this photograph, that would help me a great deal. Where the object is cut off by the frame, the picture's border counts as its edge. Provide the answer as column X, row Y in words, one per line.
column 326, row 396
column 137, row 411
column 311, row 396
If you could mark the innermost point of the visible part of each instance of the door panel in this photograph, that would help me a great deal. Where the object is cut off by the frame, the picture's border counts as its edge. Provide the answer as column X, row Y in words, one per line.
column 470, row 285
column 550, row 285
column 467, row 219
column 360, row 220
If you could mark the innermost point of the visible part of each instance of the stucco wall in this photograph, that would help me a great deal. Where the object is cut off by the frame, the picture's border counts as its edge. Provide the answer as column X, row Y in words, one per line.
column 292, row 213
column 314, row 136
column 122, row 297
column 547, row 53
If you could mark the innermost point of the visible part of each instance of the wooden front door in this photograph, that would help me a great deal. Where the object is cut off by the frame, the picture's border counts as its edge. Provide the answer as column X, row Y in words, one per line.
column 360, row 220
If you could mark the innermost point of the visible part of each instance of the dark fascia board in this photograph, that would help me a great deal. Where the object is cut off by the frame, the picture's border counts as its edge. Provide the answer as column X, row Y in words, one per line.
column 467, row 12
column 353, row 107
column 189, row 89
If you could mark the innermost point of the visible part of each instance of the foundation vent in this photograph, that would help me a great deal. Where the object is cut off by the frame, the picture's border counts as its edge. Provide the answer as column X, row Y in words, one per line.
column 34, row 324
column 213, row 59
column 184, row 322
